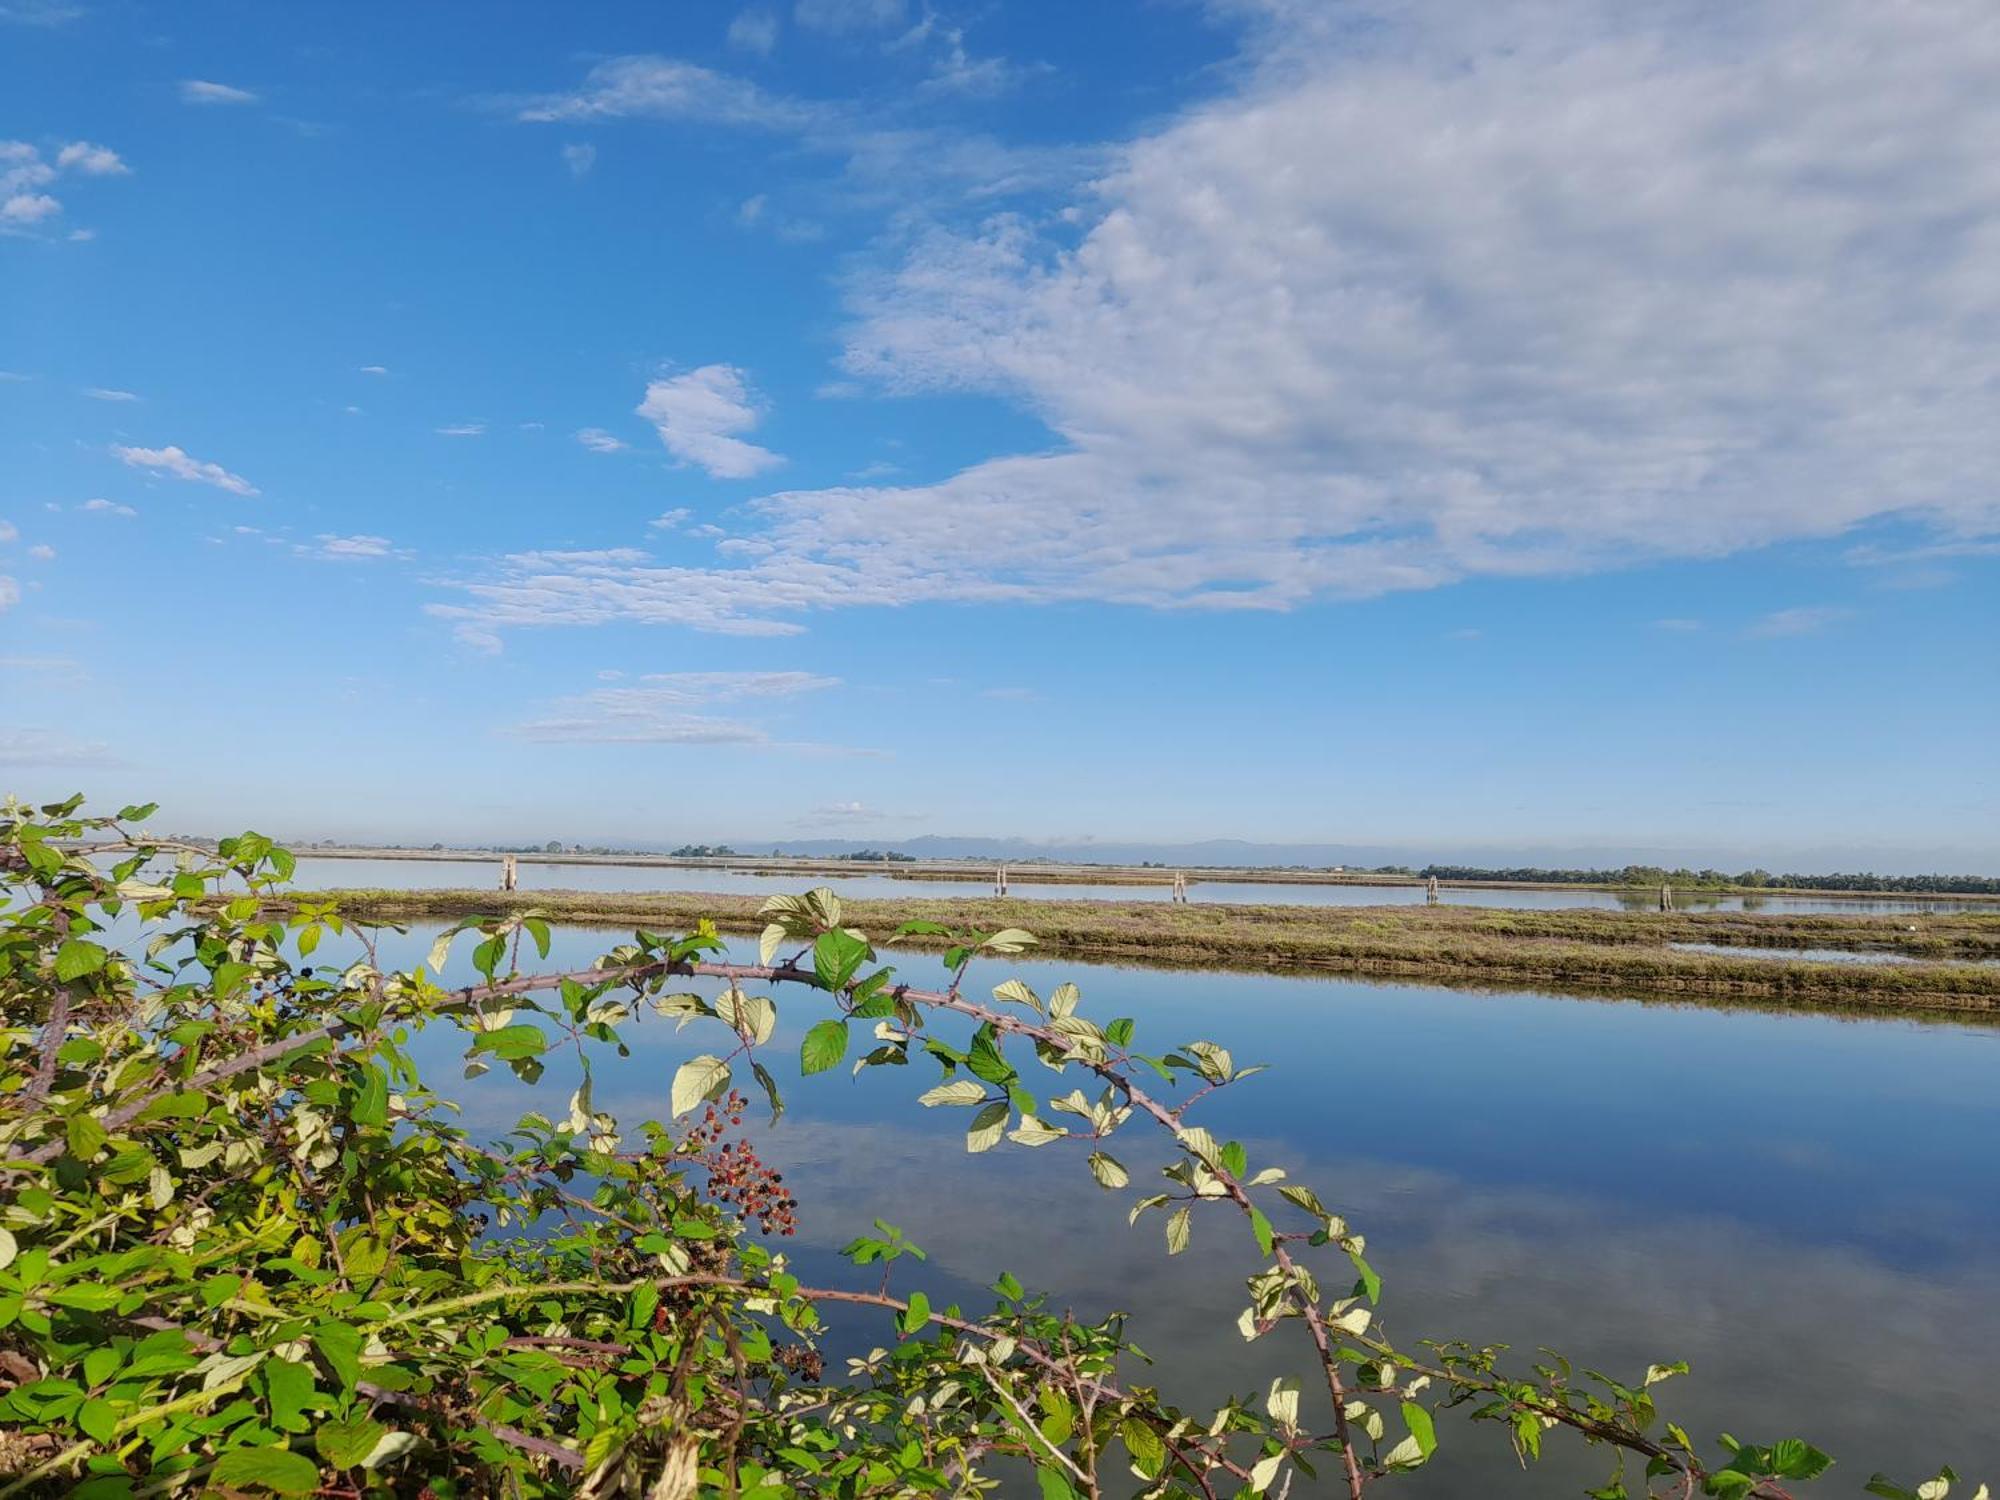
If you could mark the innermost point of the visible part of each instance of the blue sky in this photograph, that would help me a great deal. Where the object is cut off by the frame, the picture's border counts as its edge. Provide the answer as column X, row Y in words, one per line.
column 1389, row 422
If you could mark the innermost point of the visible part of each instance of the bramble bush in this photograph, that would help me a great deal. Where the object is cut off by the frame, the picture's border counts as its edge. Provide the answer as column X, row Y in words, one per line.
column 245, row 1249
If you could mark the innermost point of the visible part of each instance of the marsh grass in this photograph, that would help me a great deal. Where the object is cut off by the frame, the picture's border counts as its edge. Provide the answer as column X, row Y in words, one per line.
column 1599, row 951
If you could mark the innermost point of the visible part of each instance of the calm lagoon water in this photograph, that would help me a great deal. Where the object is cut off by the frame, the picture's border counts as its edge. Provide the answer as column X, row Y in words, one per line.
column 1804, row 1207
column 321, row 873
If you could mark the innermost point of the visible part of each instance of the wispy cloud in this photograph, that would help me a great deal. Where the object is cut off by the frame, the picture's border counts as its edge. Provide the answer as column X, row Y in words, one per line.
column 176, row 461
column 463, row 429
column 579, row 159
column 754, row 31
column 667, row 709
column 39, row 664
column 42, row 552
column 849, row 15
column 203, row 91
column 10, row 593
column 667, row 520
column 1458, row 343
column 1803, row 620
column 44, row 747
column 1677, row 625
column 668, row 88
column 104, row 393
column 107, row 508
column 39, row 12
column 597, row 440
column 698, row 416
column 333, row 548
column 374, row 369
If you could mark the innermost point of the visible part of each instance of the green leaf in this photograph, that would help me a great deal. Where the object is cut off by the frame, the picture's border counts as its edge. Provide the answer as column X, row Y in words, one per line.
column 825, row 1045
column 1178, row 1231
column 987, row 1127
column 78, row 957
column 1108, row 1170
column 1009, row 940
column 345, row 1444
column 837, row 955
column 1418, row 1420
column 958, row 1091
column 98, row 1419
column 699, row 1078
column 1261, row 1227
column 511, row 1043
column 918, row 1314
column 275, row 1469
column 1795, row 1458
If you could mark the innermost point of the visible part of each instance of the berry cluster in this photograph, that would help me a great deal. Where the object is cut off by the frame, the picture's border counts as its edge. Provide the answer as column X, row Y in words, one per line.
column 737, row 1177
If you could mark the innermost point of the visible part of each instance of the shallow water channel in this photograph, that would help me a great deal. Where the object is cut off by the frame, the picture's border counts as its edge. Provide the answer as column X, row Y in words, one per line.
column 1802, row 1206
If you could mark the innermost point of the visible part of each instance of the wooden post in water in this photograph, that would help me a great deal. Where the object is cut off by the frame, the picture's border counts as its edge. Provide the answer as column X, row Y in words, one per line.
column 1431, row 892
column 510, row 873
column 1179, row 896
column 999, row 880
column 1666, row 898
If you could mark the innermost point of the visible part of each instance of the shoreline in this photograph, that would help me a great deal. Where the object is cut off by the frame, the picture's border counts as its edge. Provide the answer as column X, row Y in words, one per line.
column 974, row 872
column 1601, row 951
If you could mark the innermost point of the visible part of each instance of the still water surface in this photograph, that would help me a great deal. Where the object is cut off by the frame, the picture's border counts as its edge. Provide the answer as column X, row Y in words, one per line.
column 323, row 873
column 1804, row 1207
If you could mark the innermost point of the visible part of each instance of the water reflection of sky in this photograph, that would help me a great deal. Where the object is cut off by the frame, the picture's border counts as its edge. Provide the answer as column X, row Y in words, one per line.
column 327, row 873
column 1802, row 1206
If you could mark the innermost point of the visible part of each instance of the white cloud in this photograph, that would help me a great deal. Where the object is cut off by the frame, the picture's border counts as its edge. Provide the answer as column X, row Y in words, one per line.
column 667, row 88
column 751, row 209
column 43, row 747
column 91, row 160
column 754, row 31
column 667, row 520
column 579, row 159
column 666, row 710
column 28, row 208
column 698, row 416
column 485, row 642
column 351, row 548
column 200, row 91
column 39, row 664
column 42, row 552
column 848, row 15
column 23, row 171
column 374, row 369
column 107, row 507
column 39, row 12
column 597, row 440
column 463, row 429
column 1514, row 291
column 1805, row 620
column 175, row 461
column 103, row 393
column 9, row 531
column 10, row 593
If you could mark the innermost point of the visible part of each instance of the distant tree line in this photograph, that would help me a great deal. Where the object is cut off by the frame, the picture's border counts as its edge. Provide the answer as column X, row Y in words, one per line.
column 704, row 851
column 1649, row 875
column 880, row 856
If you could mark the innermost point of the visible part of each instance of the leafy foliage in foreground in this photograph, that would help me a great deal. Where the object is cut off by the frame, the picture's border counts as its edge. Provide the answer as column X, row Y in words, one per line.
column 244, row 1249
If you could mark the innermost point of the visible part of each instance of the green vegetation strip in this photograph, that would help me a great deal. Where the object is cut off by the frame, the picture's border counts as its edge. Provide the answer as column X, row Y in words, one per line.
column 1627, row 952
